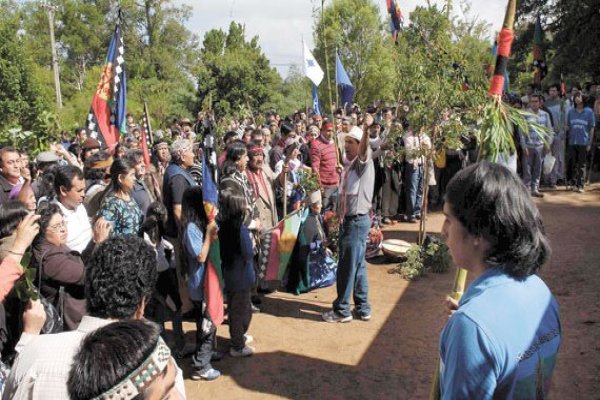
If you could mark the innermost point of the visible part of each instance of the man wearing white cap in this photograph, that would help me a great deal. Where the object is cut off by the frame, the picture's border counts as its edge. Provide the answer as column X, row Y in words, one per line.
column 354, row 205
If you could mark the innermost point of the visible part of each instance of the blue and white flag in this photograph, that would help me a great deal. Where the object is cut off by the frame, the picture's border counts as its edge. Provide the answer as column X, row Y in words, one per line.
column 343, row 82
column 315, row 98
column 311, row 67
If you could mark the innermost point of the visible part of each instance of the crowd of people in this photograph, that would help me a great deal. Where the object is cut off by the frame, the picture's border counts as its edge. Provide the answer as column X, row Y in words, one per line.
column 109, row 238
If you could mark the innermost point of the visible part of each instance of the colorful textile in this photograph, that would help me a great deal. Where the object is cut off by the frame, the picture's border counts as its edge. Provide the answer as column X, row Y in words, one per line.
column 126, row 216
column 107, row 113
column 277, row 245
column 312, row 265
column 213, row 280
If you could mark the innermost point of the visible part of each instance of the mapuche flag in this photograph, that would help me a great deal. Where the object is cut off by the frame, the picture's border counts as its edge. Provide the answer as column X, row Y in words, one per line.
column 539, row 61
column 106, row 119
column 213, row 279
column 396, row 17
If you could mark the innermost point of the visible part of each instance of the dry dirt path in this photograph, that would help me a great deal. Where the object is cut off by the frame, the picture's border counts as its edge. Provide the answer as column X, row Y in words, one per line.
column 393, row 355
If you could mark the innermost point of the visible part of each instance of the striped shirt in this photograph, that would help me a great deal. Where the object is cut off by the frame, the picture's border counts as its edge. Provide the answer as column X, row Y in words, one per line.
column 323, row 160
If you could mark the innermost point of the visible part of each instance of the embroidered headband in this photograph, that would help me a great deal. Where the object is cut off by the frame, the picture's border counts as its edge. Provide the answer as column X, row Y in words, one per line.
column 141, row 377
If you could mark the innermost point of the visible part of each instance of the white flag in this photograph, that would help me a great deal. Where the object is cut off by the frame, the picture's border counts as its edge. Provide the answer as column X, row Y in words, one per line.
column 311, row 68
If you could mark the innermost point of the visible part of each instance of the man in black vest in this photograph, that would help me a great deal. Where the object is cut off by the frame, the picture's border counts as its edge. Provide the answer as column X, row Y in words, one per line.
column 177, row 179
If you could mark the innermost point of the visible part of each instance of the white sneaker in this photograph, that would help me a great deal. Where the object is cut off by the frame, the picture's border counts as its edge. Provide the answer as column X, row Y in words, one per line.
column 248, row 339
column 332, row 316
column 247, row 351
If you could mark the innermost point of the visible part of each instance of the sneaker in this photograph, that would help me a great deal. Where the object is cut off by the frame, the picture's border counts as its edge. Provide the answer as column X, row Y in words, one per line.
column 248, row 339
column 332, row 316
column 209, row 374
column 255, row 310
column 553, row 186
column 366, row 317
column 537, row 194
column 579, row 190
column 386, row 221
column 411, row 220
column 247, row 351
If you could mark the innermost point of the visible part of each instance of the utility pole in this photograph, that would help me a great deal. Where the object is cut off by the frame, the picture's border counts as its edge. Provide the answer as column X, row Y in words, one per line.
column 51, row 9
column 326, row 58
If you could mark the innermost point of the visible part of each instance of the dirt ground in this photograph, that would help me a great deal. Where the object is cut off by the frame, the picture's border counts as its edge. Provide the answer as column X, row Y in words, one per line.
column 394, row 355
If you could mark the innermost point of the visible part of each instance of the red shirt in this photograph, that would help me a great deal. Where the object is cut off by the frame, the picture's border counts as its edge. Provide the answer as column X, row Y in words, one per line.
column 323, row 158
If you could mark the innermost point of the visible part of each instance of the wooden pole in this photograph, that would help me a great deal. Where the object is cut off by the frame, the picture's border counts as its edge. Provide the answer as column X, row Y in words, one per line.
column 326, row 58
column 461, row 274
column 284, row 190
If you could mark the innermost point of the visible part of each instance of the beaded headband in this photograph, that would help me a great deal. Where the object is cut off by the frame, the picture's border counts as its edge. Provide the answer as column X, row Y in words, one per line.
column 142, row 377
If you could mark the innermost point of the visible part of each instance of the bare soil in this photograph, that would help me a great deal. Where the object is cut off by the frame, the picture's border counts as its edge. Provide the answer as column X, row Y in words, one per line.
column 394, row 355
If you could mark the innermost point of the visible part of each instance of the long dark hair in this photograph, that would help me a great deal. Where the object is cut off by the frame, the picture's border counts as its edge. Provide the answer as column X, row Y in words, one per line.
column 120, row 166
column 232, row 212
column 235, row 151
column 11, row 215
column 154, row 223
column 492, row 203
column 192, row 209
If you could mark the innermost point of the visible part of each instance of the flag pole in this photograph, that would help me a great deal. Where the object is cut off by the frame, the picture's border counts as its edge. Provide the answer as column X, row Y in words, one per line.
column 496, row 87
column 326, row 58
column 147, row 114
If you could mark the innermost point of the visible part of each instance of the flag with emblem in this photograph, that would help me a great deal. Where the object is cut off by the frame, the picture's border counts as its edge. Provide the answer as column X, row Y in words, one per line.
column 311, row 68
column 277, row 245
column 213, row 279
column 146, row 138
column 106, row 120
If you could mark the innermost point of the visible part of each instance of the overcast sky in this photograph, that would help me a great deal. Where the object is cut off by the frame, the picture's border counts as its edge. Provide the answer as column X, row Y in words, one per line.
column 281, row 24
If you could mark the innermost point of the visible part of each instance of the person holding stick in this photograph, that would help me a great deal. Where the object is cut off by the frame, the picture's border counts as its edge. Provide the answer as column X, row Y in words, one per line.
column 503, row 336
column 354, row 206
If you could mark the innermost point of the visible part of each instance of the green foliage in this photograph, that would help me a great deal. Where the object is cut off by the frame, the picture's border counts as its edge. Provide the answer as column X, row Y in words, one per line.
column 431, row 68
column 354, row 28
column 572, row 30
column 436, row 257
column 308, row 181
column 412, row 268
column 25, row 287
column 296, row 93
column 499, row 122
column 234, row 74
column 20, row 103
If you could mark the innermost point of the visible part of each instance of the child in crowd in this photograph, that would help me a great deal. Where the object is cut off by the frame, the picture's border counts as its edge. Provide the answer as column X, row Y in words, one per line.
column 197, row 236
column 166, row 298
column 238, row 268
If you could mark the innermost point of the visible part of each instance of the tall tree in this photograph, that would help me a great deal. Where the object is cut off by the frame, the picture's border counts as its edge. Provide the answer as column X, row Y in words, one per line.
column 354, row 28
column 21, row 104
column 235, row 75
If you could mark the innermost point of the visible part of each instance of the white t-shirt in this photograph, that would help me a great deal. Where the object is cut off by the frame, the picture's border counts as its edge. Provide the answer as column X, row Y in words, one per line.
column 78, row 226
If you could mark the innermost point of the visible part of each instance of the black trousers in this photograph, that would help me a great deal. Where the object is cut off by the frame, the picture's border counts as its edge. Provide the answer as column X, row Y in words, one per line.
column 578, row 155
column 240, row 315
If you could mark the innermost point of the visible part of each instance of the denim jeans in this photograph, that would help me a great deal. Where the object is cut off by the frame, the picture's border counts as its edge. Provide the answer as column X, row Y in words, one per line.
column 352, row 268
column 206, row 334
column 414, row 189
column 532, row 168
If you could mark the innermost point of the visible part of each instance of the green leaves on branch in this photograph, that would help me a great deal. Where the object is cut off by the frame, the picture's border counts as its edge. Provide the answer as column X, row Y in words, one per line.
column 498, row 128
